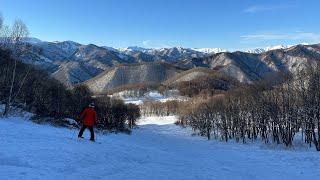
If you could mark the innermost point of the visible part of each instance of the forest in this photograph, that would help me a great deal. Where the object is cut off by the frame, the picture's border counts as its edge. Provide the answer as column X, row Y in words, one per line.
column 273, row 110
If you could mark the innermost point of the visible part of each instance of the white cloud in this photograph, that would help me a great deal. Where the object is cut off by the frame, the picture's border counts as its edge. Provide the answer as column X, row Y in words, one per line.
column 305, row 36
column 146, row 43
column 260, row 8
column 165, row 46
column 154, row 44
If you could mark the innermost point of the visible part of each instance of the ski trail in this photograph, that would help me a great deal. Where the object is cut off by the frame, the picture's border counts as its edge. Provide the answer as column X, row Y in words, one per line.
column 152, row 151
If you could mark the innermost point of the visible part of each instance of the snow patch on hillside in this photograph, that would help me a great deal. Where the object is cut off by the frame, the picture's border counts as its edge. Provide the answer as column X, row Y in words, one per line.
column 131, row 97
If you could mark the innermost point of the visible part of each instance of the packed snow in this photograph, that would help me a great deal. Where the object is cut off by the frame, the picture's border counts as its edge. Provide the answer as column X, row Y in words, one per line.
column 128, row 96
column 157, row 120
column 157, row 149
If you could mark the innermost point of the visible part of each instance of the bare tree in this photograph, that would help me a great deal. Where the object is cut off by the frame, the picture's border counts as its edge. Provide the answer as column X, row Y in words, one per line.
column 11, row 39
column 277, row 111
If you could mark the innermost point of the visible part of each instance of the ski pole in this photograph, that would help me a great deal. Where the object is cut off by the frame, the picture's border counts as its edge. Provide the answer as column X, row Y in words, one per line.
column 74, row 131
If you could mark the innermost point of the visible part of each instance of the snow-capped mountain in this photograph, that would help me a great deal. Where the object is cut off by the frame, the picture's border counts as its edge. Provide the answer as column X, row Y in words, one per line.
column 269, row 48
column 242, row 66
column 71, row 62
column 132, row 49
column 111, row 48
column 175, row 54
column 32, row 40
column 209, row 50
column 248, row 67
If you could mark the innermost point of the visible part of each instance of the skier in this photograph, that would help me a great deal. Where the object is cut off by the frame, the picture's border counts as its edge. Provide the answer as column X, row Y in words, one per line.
column 90, row 118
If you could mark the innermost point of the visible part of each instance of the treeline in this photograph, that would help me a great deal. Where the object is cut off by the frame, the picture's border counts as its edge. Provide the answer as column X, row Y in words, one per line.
column 153, row 107
column 116, row 116
column 273, row 110
column 212, row 83
column 37, row 92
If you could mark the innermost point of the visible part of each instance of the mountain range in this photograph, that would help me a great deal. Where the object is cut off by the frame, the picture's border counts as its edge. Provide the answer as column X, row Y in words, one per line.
column 104, row 68
column 72, row 63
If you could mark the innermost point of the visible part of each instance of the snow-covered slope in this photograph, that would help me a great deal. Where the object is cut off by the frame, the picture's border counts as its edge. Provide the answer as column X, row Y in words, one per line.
column 157, row 150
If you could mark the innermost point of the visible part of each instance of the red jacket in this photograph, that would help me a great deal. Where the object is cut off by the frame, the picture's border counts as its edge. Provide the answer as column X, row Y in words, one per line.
column 90, row 116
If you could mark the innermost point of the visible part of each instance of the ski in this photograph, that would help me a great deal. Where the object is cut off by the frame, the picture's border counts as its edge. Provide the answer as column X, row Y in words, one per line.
column 90, row 140
column 87, row 140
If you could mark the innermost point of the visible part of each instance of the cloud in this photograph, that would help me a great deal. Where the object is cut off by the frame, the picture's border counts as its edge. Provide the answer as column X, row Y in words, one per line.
column 305, row 36
column 158, row 44
column 260, row 8
column 146, row 43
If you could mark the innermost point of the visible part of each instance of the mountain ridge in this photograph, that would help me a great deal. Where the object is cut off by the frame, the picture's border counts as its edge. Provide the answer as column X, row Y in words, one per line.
column 73, row 63
column 205, row 50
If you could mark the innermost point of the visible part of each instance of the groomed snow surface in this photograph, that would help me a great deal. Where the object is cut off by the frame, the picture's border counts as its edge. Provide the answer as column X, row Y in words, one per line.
column 157, row 149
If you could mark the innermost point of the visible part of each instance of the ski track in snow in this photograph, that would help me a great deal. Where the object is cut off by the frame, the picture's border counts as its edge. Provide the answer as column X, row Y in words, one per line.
column 152, row 151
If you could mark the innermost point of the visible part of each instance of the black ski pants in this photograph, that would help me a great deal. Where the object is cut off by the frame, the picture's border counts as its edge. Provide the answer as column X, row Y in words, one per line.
column 91, row 131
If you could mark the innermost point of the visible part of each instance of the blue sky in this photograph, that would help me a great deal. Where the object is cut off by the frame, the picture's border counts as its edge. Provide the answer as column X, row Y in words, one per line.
column 228, row 24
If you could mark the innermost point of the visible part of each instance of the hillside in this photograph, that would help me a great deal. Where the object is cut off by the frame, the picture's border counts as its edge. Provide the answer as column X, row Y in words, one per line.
column 72, row 63
column 189, row 75
column 132, row 74
column 244, row 67
column 247, row 67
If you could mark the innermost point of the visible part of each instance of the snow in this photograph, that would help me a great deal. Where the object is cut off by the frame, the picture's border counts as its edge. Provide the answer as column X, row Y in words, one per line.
column 70, row 121
column 111, row 48
column 132, row 49
column 269, row 48
column 151, row 95
column 209, row 50
column 156, row 150
column 32, row 40
column 206, row 51
column 157, row 120
column 123, row 56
